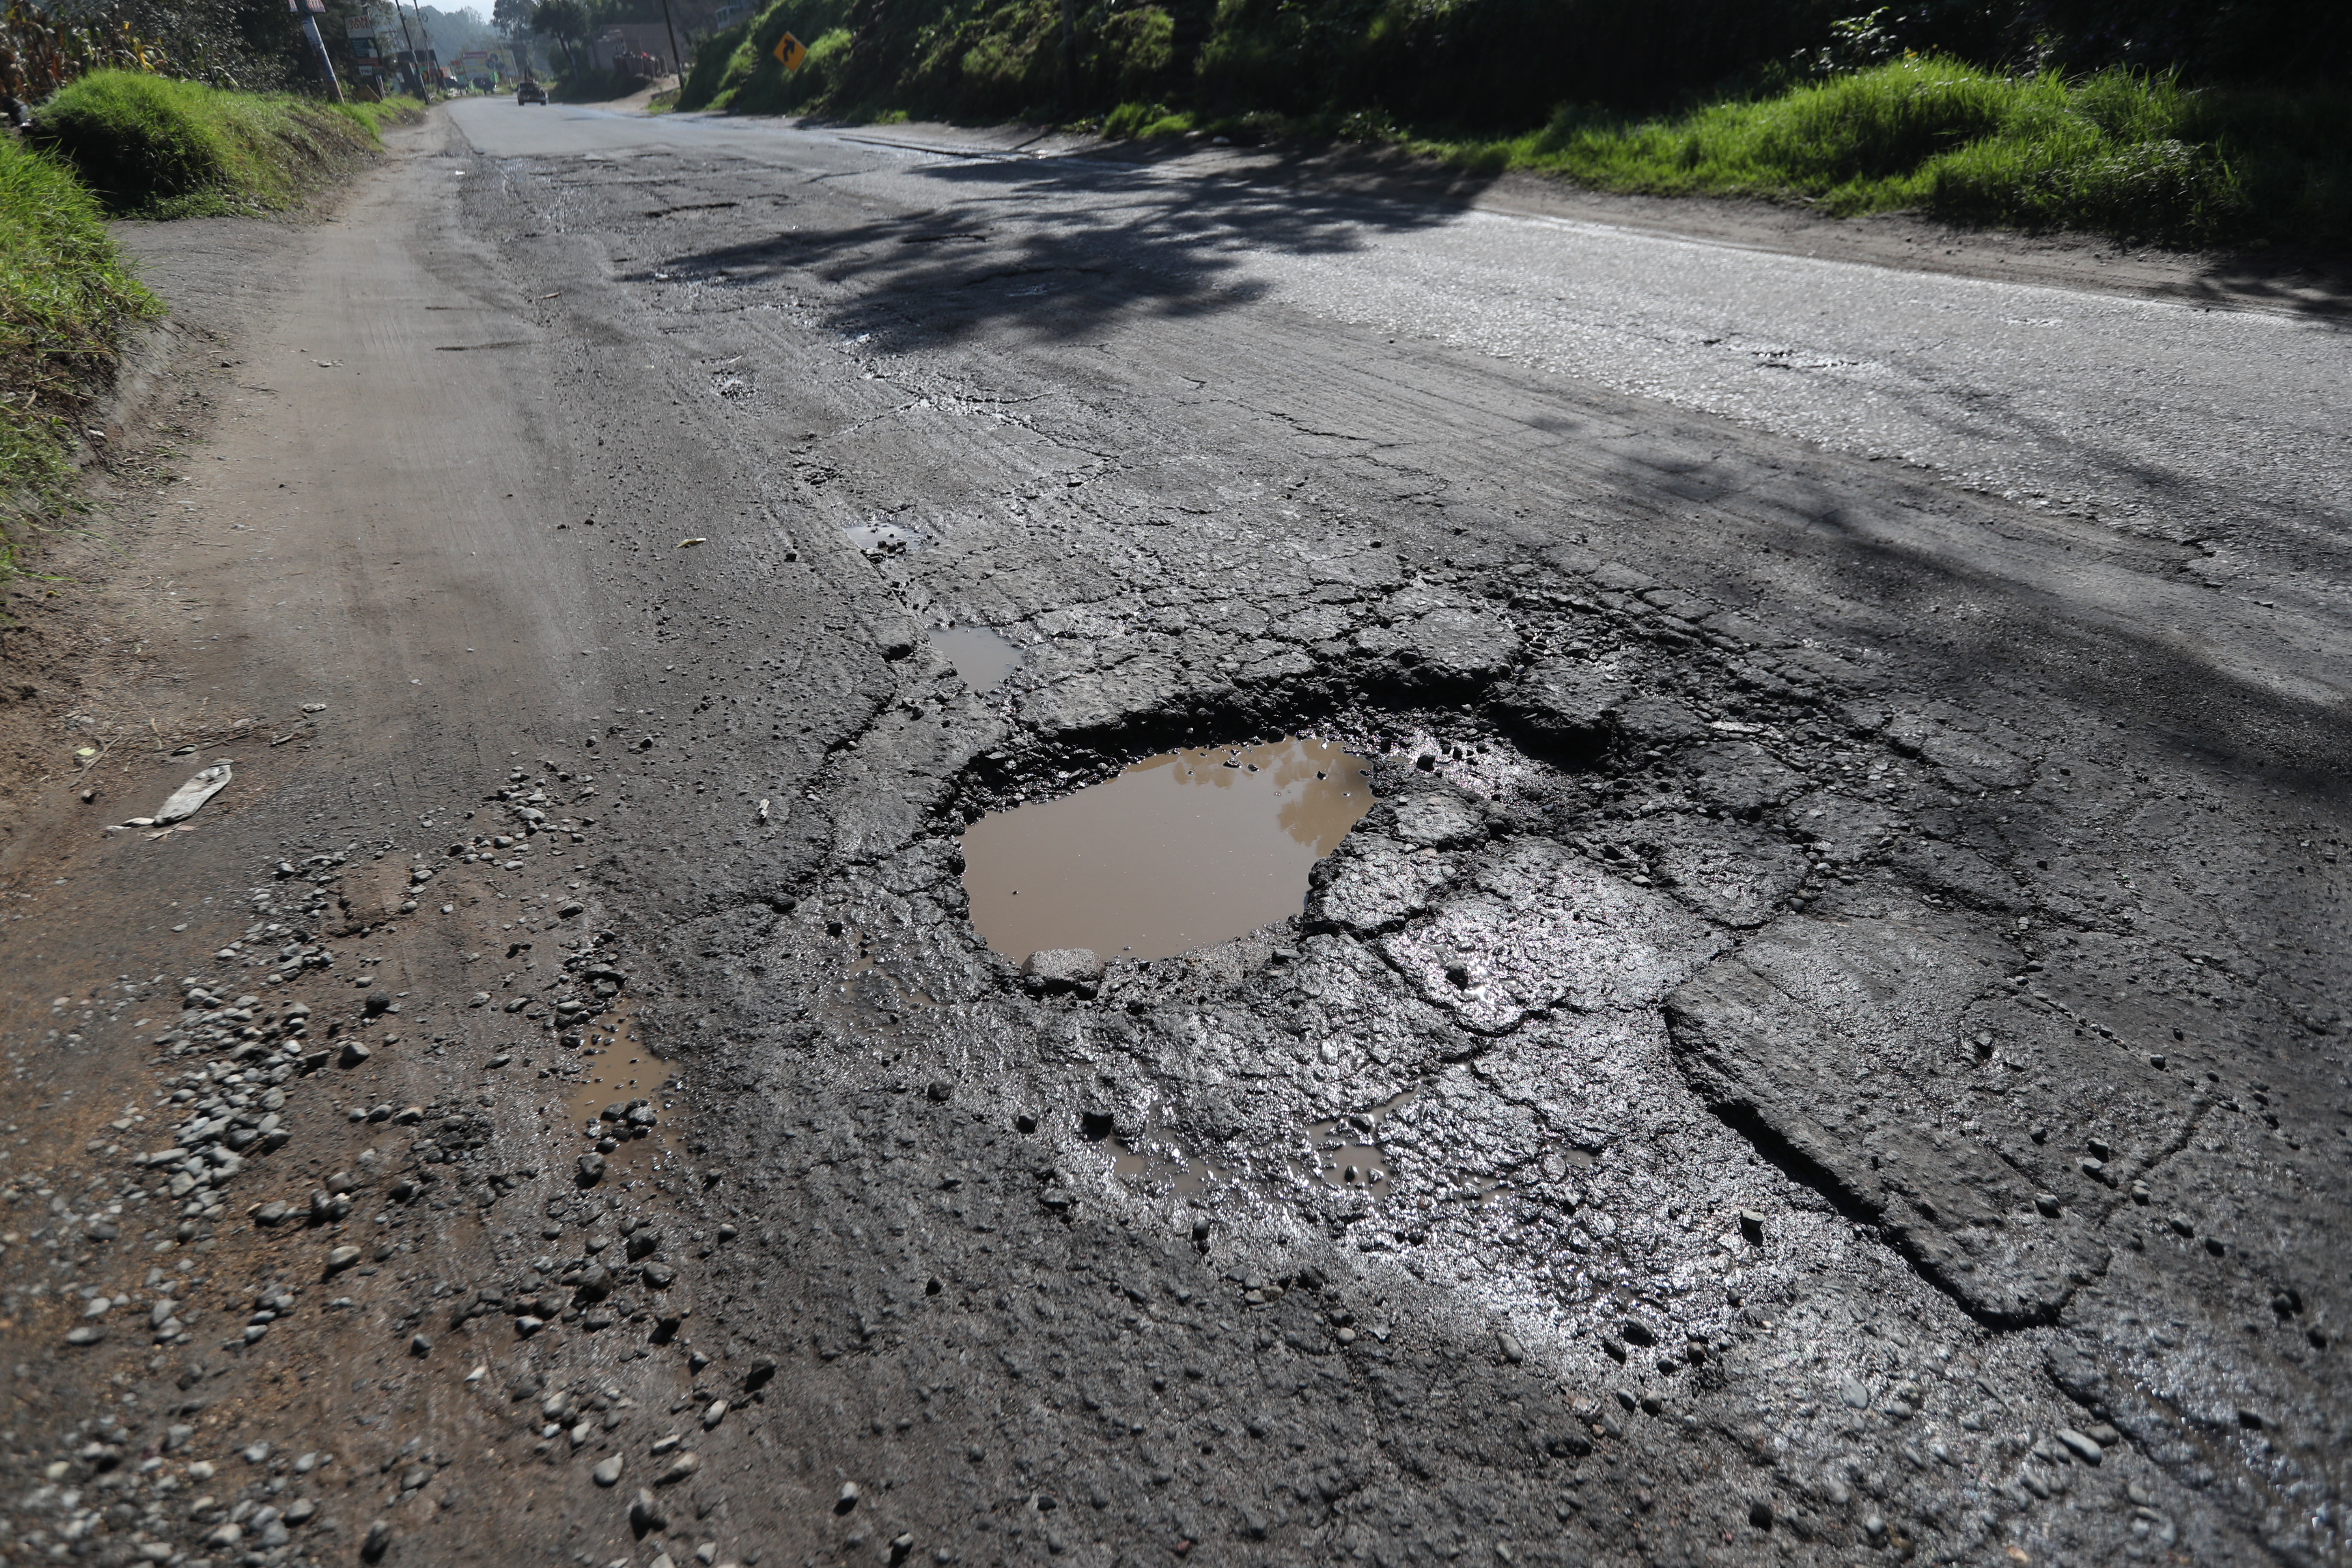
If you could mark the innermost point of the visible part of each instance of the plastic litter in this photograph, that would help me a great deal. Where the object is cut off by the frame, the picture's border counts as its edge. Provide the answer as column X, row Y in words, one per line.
column 189, row 797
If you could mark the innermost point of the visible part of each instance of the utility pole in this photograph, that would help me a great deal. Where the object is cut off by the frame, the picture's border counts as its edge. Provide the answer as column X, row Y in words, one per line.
column 426, row 34
column 415, row 65
column 318, row 44
column 677, row 61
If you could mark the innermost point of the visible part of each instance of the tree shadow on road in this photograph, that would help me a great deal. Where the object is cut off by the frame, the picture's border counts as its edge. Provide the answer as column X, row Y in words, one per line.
column 1055, row 246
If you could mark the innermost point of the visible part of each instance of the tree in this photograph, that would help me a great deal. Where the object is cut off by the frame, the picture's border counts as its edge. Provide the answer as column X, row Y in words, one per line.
column 565, row 21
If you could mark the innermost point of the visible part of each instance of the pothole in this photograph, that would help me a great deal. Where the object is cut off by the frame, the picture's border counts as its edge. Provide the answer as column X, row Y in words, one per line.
column 980, row 656
column 1156, row 1161
column 1348, row 1152
column 621, row 1076
column 883, row 541
column 1178, row 851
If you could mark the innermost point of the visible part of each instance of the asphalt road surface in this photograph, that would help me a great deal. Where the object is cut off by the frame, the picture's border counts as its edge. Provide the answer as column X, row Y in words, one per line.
column 1838, row 1014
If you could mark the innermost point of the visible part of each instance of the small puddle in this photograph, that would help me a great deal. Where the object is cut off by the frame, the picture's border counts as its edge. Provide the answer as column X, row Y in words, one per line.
column 980, row 656
column 1177, row 852
column 1158, row 1163
column 882, row 541
column 1348, row 1152
column 619, row 1069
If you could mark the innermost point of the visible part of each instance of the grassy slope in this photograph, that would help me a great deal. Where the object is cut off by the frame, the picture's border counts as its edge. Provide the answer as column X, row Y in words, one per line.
column 64, row 299
column 736, row 70
column 2112, row 152
column 153, row 147
column 142, row 145
column 2134, row 155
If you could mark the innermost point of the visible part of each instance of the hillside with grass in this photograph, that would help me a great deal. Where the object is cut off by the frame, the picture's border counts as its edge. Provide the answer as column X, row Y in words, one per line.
column 117, row 143
column 148, row 146
column 2222, row 123
column 65, row 300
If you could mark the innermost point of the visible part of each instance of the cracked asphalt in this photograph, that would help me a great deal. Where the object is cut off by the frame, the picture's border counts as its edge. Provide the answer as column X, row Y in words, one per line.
column 1842, row 987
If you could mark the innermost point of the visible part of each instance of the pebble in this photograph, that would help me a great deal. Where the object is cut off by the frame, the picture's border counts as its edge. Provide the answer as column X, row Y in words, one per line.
column 2080, row 1445
column 645, row 1514
column 715, row 1414
column 608, row 1473
column 379, row 1537
column 592, row 1167
column 679, row 1467
column 1513, row 1352
column 419, row 1345
column 340, row 1258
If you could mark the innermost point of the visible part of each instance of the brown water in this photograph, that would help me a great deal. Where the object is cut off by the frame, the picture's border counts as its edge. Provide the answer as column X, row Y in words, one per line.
column 1348, row 1151
column 1177, row 852
column 620, row 1068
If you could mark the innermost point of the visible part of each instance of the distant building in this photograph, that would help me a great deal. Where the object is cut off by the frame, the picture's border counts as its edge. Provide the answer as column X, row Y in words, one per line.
column 369, row 58
column 634, row 49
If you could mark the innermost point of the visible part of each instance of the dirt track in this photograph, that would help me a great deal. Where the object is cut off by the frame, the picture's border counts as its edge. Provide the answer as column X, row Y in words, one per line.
column 1846, row 979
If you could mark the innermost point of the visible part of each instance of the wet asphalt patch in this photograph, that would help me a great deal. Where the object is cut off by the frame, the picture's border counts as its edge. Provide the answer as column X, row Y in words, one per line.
column 984, row 659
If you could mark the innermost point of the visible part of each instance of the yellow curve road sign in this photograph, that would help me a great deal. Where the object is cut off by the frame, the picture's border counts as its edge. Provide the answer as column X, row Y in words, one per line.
column 792, row 52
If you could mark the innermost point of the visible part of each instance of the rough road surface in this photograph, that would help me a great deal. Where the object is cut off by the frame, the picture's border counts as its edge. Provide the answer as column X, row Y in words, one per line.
column 1843, row 991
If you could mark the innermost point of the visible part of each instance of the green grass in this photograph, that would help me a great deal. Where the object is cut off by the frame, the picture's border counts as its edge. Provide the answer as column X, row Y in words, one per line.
column 64, row 299
column 116, row 143
column 148, row 146
column 2116, row 153
column 736, row 70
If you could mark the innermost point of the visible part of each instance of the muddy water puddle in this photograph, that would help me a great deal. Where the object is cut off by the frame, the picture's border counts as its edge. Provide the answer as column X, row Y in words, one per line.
column 1347, row 1152
column 981, row 658
column 880, row 541
column 1156, row 1162
column 620, row 1072
column 1178, row 851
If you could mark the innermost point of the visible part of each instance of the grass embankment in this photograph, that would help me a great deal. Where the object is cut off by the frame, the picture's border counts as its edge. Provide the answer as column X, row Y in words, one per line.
column 2135, row 154
column 2112, row 153
column 737, row 70
column 150, row 146
column 116, row 143
column 64, row 299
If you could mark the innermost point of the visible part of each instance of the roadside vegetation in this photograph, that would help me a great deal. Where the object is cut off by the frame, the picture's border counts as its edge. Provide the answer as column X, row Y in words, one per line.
column 64, row 299
column 148, row 146
column 2117, row 152
column 121, row 126
column 2214, row 124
